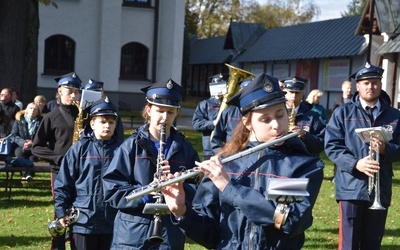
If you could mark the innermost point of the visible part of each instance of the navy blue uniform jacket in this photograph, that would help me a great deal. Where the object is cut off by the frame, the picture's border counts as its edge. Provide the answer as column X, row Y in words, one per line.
column 241, row 217
column 133, row 166
column 204, row 115
column 345, row 148
column 79, row 183
column 311, row 122
column 225, row 127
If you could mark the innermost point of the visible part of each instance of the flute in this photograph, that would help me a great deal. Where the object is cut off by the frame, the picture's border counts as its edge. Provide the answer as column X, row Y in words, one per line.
column 190, row 173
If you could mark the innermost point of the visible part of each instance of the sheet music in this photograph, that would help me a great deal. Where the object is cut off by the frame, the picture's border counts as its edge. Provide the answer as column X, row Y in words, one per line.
column 89, row 97
column 380, row 132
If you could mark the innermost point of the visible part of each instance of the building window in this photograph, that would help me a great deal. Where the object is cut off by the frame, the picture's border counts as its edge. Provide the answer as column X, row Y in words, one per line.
column 134, row 57
column 136, row 3
column 59, row 55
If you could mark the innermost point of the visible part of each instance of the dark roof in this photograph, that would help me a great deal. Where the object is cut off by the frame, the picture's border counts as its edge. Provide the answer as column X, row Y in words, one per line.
column 391, row 46
column 209, row 51
column 388, row 12
column 242, row 35
column 330, row 38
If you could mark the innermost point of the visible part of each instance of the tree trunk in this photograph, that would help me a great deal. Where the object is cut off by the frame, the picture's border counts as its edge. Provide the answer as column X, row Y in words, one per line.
column 19, row 28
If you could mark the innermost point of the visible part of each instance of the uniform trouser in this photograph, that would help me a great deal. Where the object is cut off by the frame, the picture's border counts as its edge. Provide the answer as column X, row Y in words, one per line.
column 360, row 227
column 57, row 243
column 91, row 241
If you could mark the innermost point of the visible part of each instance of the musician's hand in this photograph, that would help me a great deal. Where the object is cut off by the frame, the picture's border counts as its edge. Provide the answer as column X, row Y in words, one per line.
column 377, row 143
column 214, row 170
column 64, row 221
column 367, row 166
column 174, row 196
column 301, row 131
column 165, row 170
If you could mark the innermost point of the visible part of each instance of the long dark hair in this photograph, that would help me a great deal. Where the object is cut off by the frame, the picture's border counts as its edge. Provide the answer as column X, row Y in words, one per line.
column 239, row 140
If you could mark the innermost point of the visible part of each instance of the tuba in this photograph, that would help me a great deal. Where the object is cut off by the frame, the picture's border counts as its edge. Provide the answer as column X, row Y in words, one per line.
column 236, row 75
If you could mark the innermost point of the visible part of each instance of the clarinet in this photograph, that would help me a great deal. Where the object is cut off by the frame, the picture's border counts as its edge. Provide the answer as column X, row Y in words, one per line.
column 158, row 208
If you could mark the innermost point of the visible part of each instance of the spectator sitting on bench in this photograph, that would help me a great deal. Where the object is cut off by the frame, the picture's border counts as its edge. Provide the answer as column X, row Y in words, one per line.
column 5, row 128
column 24, row 128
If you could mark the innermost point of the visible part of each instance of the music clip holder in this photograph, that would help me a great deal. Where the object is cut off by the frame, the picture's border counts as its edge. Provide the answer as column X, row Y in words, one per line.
column 156, row 208
column 285, row 191
column 379, row 132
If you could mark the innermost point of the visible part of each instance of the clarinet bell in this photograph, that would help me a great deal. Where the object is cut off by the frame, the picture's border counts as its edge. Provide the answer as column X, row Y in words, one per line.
column 156, row 237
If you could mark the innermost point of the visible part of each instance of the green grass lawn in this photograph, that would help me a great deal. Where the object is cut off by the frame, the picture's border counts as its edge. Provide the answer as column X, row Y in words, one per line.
column 24, row 222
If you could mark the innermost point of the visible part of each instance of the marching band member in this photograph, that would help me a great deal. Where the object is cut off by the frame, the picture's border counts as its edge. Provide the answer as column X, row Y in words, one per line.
column 361, row 227
column 134, row 166
column 308, row 123
column 79, row 181
column 205, row 115
column 230, row 209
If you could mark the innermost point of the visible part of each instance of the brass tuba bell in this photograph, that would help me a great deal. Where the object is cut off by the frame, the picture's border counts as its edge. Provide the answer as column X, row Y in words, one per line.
column 236, row 75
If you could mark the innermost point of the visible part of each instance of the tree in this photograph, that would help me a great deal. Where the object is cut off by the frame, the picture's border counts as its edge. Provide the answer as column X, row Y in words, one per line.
column 354, row 8
column 209, row 18
column 19, row 29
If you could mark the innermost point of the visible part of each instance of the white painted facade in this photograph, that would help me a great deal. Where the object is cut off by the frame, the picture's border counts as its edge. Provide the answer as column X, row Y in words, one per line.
column 100, row 28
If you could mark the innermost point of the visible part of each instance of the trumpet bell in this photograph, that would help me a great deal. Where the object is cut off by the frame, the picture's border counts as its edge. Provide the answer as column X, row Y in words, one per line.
column 55, row 228
column 377, row 206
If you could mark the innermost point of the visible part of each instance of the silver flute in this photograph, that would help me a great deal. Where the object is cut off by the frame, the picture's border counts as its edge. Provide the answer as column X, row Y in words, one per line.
column 190, row 173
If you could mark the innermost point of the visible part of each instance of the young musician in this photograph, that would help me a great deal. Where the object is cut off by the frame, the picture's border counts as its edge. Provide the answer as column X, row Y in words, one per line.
column 79, row 181
column 231, row 209
column 135, row 164
column 361, row 227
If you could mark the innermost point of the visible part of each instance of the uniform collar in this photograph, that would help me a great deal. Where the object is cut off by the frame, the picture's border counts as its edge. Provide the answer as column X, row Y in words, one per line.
column 364, row 104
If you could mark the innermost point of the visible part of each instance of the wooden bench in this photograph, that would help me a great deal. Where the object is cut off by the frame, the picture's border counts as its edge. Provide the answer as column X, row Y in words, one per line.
column 10, row 170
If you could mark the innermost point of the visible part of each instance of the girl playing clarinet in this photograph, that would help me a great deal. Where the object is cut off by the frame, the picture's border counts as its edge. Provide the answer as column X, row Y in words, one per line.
column 135, row 164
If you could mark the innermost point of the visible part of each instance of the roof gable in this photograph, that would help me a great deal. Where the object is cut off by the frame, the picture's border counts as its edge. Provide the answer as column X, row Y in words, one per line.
column 242, row 35
column 209, row 51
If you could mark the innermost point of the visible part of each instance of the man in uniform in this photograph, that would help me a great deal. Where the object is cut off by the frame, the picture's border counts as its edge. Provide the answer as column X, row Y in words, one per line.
column 361, row 227
column 56, row 131
column 308, row 123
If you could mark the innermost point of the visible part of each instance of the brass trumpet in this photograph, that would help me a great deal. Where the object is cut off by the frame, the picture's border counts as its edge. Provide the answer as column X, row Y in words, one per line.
column 373, row 182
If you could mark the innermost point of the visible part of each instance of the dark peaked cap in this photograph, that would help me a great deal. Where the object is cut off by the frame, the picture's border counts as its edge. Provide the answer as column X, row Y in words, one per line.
column 102, row 107
column 294, row 83
column 94, row 85
column 367, row 72
column 165, row 93
column 70, row 80
column 263, row 91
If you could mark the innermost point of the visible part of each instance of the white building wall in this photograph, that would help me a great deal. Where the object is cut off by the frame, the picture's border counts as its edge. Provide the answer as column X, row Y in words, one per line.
column 170, row 41
column 100, row 29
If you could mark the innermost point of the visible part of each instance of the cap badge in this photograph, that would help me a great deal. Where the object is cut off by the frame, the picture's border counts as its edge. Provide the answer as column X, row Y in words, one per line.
column 367, row 65
column 294, row 80
column 73, row 75
column 169, row 85
column 268, row 86
column 154, row 96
